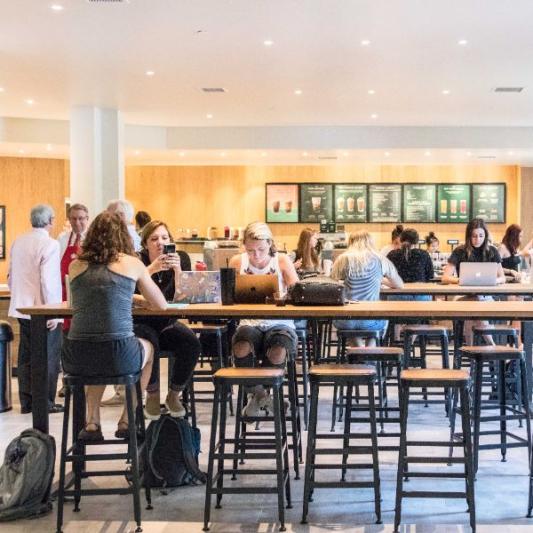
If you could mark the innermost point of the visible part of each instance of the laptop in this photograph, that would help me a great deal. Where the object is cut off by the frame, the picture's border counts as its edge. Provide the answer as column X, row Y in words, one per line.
column 255, row 288
column 194, row 287
column 473, row 274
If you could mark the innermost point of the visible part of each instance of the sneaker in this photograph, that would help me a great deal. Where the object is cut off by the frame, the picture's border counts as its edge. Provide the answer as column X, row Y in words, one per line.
column 267, row 403
column 253, row 406
column 174, row 406
column 116, row 399
column 152, row 409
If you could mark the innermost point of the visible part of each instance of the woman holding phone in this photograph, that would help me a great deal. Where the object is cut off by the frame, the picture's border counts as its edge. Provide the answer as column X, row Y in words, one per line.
column 159, row 255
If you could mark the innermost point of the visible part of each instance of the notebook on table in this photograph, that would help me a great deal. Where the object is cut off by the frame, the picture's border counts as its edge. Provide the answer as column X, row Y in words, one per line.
column 255, row 288
column 201, row 287
column 473, row 274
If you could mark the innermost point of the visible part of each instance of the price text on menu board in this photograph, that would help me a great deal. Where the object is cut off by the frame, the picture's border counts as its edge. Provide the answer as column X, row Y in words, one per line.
column 488, row 201
column 385, row 203
column 281, row 202
column 316, row 202
column 453, row 203
column 350, row 202
column 419, row 202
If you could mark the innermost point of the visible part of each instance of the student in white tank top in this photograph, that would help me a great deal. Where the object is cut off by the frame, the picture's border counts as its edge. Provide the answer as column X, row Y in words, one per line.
column 263, row 342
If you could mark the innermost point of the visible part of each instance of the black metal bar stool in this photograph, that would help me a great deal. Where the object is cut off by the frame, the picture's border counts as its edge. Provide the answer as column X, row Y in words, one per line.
column 383, row 357
column 457, row 380
column 348, row 376
column 303, row 378
column 423, row 333
column 497, row 356
column 277, row 447
column 343, row 335
column 76, row 454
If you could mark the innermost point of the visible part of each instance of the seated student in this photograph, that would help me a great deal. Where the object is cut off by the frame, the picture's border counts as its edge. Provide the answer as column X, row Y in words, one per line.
column 259, row 342
column 165, row 333
column 307, row 257
column 363, row 270
column 101, row 341
column 511, row 250
column 141, row 219
column 476, row 249
column 395, row 241
column 432, row 243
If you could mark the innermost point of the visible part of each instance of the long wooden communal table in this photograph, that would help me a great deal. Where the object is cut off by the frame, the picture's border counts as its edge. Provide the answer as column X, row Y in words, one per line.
column 435, row 310
column 439, row 289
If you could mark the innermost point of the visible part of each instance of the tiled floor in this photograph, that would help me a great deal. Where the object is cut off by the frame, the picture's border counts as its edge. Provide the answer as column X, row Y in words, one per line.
column 501, row 494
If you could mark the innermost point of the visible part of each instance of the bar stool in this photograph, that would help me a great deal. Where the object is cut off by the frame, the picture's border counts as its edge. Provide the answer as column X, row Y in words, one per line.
column 423, row 333
column 348, row 376
column 383, row 357
column 301, row 333
column 497, row 356
column 76, row 454
column 277, row 447
column 343, row 335
column 459, row 381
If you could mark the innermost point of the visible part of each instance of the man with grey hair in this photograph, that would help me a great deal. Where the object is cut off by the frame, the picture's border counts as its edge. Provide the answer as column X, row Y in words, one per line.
column 34, row 279
column 125, row 210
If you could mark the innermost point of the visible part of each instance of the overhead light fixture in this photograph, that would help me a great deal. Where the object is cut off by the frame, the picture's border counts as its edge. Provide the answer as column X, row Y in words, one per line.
column 510, row 153
column 268, row 42
column 374, row 116
column 1, row 89
column 48, row 147
column 387, row 154
column 150, row 73
column 263, row 154
column 345, row 154
column 213, row 89
column 445, row 91
column 305, row 154
column 427, row 153
column 462, row 42
column 222, row 154
column 469, row 154
column 209, row 115
column 137, row 152
column 371, row 91
column 56, row 7
column 30, row 101
column 298, row 92
column 182, row 154
column 508, row 89
column 21, row 151
column 365, row 42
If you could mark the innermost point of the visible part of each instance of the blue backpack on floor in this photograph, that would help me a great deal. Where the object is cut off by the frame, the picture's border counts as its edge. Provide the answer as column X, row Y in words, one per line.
column 172, row 448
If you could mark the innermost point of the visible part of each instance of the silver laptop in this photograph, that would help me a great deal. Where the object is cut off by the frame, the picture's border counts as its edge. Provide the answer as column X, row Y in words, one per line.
column 472, row 274
column 197, row 287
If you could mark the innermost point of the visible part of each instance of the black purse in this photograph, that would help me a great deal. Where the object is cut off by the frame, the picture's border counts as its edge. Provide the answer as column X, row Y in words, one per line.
column 318, row 290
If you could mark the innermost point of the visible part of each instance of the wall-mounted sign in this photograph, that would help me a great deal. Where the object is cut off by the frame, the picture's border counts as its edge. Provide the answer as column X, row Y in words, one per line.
column 488, row 202
column 453, row 203
column 282, row 202
column 385, row 203
column 350, row 203
column 419, row 203
column 316, row 202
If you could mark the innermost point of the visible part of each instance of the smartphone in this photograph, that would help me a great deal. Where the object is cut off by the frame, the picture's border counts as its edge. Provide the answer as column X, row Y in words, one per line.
column 169, row 248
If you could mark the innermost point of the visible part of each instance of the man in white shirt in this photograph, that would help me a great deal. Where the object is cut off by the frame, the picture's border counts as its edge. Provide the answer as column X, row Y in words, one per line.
column 78, row 217
column 34, row 278
column 125, row 210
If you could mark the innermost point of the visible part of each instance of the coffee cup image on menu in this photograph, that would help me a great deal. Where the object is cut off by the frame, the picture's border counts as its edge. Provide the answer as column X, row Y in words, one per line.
column 361, row 204
column 316, row 201
column 453, row 206
column 444, row 206
column 275, row 206
column 288, row 206
column 350, row 204
column 340, row 204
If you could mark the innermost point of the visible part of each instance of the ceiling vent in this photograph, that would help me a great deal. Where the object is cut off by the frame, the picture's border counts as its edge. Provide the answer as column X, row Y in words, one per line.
column 508, row 89
column 486, row 157
column 108, row 1
column 213, row 89
column 327, row 157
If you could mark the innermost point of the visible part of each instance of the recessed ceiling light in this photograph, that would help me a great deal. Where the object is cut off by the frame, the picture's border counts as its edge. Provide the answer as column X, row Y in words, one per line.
column 305, row 154
column 263, row 154
column 48, row 147
column 510, row 153
column 56, row 7
column 209, row 115
column 427, row 153
column 222, row 154
column 21, row 151
column 150, row 73
column 387, row 154
column 371, row 91
column 469, row 154
column 182, row 154
column 462, row 42
column 1, row 89
column 365, row 42
column 374, row 116
column 298, row 92
column 445, row 91
column 268, row 42
column 30, row 101
column 137, row 152
column 345, row 154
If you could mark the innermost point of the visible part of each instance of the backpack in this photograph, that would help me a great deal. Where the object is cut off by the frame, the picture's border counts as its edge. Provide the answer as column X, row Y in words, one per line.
column 172, row 447
column 26, row 476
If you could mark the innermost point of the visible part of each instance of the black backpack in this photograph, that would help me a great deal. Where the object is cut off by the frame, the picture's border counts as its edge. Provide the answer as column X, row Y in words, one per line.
column 26, row 476
column 172, row 448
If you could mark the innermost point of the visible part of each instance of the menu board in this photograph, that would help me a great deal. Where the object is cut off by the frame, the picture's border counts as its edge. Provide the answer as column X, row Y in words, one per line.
column 385, row 203
column 316, row 202
column 350, row 203
column 281, row 202
column 488, row 202
column 453, row 203
column 419, row 203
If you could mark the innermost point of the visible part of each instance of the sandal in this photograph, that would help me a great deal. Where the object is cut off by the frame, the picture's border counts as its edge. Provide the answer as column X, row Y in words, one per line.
column 122, row 431
column 91, row 435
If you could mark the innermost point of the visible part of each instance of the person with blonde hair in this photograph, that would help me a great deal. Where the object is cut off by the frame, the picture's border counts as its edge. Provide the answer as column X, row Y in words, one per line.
column 259, row 342
column 363, row 269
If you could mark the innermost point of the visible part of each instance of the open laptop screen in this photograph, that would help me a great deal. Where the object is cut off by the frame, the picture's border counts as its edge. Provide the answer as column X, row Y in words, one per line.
column 255, row 288
column 472, row 274
column 197, row 287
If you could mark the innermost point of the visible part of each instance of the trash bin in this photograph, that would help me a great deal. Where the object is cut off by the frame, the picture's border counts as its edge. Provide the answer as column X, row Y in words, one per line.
column 6, row 336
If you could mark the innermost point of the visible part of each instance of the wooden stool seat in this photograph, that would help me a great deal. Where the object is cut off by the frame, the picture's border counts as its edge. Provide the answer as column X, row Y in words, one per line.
column 425, row 329
column 495, row 329
column 248, row 375
column 386, row 353
column 492, row 353
column 342, row 371
column 437, row 375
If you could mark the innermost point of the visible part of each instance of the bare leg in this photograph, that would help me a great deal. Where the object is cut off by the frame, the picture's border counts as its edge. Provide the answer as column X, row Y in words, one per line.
column 93, row 395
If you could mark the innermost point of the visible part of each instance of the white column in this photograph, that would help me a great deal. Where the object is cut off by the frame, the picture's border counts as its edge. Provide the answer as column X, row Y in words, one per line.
column 96, row 157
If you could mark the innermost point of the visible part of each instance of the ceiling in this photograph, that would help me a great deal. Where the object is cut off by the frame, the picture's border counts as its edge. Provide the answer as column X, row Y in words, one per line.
column 98, row 53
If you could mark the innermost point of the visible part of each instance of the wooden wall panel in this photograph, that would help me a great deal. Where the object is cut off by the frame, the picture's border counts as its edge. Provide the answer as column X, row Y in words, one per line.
column 25, row 182
column 199, row 197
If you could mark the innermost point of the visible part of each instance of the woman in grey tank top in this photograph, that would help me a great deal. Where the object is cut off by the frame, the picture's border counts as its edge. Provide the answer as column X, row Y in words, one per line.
column 100, row 341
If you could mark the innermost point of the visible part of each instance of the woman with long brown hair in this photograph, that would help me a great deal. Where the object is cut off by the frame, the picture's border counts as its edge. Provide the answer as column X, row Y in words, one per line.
column 307, row 257
column 511, row 250
column 101, row 341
